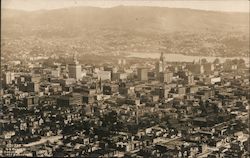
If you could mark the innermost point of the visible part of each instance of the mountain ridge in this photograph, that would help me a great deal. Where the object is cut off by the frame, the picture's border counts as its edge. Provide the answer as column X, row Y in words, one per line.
column 121, row 6
column 127, row 29
column 132, row 17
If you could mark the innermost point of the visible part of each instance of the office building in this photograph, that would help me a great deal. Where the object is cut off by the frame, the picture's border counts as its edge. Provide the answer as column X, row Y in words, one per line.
column 160, row 65
column 166, row 77
column 188, row 79
column 75, row 70
column 143, row 74
column 8, row 77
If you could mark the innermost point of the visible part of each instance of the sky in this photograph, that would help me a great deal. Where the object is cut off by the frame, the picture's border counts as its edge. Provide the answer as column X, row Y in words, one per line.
column 214, row 5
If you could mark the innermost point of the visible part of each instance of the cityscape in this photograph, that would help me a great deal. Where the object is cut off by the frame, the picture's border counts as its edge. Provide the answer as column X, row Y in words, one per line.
column 115, row 92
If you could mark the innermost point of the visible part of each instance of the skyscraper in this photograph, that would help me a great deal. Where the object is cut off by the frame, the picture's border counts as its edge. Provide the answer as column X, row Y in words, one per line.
column 75, row 69
column 166, row 77
column 8, row 77
column 143, row 74
column 160, row 65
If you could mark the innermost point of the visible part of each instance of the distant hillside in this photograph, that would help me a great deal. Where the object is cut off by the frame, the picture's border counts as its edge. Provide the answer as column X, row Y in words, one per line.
column 74, row 21
column 125, row 29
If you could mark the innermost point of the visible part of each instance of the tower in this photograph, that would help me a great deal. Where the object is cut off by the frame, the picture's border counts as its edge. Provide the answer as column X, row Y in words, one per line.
column 162, row 62
column 99, row 86
column 160, row 65
column 166, row 77
column 137, row 104
column 8, row 77
column 143, row 74
column 137, row 116
column 75, row 69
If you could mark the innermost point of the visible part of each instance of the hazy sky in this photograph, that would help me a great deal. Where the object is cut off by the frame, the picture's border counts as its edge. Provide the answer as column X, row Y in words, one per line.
column 216, row 5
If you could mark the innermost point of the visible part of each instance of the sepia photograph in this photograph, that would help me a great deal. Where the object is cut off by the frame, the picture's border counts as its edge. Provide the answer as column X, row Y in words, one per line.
column 125, row 78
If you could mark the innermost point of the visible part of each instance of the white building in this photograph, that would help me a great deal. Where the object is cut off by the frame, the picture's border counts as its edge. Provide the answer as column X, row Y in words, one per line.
column 75, row 70
column 9, row 77
column 104, row 75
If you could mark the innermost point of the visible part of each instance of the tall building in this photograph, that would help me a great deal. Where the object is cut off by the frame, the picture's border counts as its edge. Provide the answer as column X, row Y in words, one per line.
column 160, row 65
column 75, row 70
column 143, row 74
column 8, row 77
column 166, row 77
column 189, row 79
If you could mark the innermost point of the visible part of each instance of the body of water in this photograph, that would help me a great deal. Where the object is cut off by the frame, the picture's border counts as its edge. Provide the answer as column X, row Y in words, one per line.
column 183, row 58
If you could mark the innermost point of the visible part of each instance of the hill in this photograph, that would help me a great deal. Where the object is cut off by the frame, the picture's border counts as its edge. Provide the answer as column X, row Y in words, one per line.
column 133, row 28
column 142, row 19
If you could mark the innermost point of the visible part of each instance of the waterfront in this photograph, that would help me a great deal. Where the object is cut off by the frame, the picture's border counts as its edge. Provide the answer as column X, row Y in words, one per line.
column 183, row 58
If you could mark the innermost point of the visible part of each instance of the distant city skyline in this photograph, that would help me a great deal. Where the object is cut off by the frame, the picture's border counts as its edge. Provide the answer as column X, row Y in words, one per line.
column 32, row 5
